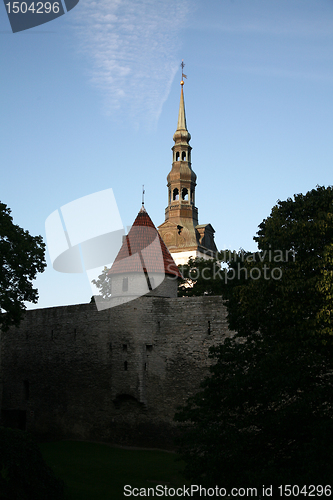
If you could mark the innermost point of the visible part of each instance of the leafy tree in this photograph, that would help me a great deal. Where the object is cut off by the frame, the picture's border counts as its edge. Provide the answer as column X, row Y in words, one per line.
column 22, row 256
column 287, row 284
column 265, row 413
column 103, row 283
column 294, row 290
column 263, row 416
column 200, row 277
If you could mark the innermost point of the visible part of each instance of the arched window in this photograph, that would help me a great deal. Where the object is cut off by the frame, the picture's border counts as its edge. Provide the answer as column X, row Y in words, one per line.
column 185, row 194
column 177, row 156
column 192, row 196
column 175, row 194
column 183, row 155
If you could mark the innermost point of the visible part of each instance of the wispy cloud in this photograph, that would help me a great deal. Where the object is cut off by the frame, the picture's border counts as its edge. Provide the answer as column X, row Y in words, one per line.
column 133, row 48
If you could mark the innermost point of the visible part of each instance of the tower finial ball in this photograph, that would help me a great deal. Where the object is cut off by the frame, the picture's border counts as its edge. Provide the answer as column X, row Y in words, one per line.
column 182, row 82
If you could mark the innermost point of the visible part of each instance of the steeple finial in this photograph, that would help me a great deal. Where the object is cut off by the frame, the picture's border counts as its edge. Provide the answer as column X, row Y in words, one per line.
column 142, row 209
column 183, row 75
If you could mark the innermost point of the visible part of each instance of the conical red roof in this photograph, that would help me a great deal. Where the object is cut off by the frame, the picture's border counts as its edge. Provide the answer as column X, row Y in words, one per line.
column 144, row 250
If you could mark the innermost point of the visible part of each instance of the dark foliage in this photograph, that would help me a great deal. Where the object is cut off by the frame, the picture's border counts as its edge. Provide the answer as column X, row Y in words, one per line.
column 293, row 293
column 200, row 277
column 265, row 413
column 21, row 258
column 23, row 473
column 264, row 416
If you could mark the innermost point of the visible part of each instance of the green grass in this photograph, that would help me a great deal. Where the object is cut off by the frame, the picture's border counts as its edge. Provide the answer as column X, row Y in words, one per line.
column 93, row 471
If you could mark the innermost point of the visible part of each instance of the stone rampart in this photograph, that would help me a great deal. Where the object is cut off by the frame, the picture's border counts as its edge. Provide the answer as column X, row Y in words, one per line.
column 116, row 375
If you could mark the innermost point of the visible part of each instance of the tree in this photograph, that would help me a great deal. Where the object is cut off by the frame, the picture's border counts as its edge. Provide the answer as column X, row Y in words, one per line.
column 265, row 413
column 103, row 283
column 286, row 284
column 200, row 277
column 291, row 287
column 22, row 256
column 263, row 416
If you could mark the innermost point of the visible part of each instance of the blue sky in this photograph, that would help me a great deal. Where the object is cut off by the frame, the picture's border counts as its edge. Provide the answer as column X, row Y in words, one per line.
column 90, row 101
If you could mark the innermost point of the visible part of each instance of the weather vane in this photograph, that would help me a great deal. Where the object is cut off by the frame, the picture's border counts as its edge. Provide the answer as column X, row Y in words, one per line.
column 143, row 194
column 183, row 75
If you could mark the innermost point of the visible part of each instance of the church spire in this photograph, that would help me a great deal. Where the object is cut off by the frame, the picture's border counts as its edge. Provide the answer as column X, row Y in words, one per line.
column 181, row 214
column 182, row 135
column 181, row 115
column 180, row 231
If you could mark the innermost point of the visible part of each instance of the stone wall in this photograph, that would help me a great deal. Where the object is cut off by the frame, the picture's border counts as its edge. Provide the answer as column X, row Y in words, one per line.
column 116, row 375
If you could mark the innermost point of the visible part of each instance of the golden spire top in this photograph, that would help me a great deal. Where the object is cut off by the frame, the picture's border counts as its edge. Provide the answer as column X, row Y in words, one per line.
column 183, row 75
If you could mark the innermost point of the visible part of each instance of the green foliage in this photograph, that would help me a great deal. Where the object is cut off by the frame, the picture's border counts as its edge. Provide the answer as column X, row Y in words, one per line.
column 265, row 413
column 200, row 277
column 264, row 416
column 23, row 473
column 22, row 256
column 293, row 295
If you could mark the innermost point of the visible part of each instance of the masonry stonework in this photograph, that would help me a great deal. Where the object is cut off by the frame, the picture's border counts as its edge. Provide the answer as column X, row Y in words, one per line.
column 116, row 375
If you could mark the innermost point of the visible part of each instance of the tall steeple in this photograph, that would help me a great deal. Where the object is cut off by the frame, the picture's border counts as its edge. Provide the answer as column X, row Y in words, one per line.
column 182, row 179
column 180, row 231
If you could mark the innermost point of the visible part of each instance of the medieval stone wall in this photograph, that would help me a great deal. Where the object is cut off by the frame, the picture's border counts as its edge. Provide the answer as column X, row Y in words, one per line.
column 115, row 375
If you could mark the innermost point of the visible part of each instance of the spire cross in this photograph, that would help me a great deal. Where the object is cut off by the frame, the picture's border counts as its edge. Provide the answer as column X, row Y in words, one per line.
column 183, row 75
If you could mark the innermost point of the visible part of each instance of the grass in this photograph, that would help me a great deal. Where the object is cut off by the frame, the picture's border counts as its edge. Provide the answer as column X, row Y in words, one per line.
column 93, row 471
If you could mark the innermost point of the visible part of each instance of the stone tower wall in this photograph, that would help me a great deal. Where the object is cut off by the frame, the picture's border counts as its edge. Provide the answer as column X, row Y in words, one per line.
column 116, row 375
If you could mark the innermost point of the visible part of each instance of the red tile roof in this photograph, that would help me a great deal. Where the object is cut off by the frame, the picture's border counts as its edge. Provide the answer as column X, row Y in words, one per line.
column 144, row 250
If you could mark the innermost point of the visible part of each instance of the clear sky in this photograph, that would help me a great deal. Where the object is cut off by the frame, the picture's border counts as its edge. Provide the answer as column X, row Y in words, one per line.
column 90, row 101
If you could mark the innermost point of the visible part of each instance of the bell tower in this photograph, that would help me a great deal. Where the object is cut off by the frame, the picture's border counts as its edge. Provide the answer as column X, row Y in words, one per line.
column 182, row 180
column 180, row 231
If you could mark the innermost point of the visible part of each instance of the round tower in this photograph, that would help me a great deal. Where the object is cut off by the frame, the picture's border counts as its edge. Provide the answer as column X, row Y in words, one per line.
column 143, row 265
